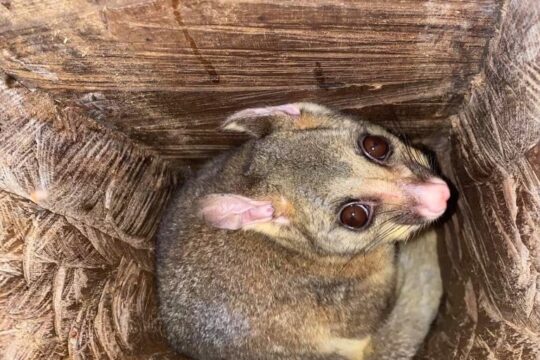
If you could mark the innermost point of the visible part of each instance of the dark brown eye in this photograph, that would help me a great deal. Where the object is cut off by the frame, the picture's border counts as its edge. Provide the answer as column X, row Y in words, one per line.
column 375, row 147
column 355, row 215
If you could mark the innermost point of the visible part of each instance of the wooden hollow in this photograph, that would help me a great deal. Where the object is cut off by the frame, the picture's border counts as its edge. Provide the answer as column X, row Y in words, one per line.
column 104, row 103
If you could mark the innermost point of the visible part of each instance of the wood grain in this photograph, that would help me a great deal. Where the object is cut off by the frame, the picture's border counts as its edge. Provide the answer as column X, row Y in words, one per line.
column 492, row 245
column 100, row 100
column 167, row 72
column 79, row 205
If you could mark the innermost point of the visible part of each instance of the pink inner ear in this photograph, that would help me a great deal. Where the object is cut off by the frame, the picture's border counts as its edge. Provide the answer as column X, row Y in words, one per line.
column 233, row 212
column 287, row 109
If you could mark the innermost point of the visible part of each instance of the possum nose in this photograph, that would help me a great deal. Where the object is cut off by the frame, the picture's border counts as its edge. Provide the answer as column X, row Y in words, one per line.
column 431, row 197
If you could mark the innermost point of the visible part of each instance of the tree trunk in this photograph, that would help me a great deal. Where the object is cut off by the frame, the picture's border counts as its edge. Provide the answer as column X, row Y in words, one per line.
column 104, row 102
column 491, row 248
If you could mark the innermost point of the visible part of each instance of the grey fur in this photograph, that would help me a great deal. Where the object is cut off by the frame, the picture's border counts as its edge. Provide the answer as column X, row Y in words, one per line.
column 290, row 293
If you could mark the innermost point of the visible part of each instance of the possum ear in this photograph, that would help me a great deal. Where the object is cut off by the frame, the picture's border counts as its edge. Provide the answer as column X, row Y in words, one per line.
column 259, row 122
column 233, row 212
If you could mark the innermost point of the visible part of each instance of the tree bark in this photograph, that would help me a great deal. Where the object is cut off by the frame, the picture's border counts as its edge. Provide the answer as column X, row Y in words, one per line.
column 79, row 205
column 491, row 248
column 103, row 101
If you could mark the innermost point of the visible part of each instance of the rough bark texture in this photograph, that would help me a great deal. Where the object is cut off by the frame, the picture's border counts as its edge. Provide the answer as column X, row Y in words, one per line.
column 491, row 246
column 165, row 72
column 78, row 208
column 101, row 101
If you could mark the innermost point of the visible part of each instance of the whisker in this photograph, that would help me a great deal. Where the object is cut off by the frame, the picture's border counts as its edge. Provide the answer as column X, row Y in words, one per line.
column 384, row 234
column 364, row 251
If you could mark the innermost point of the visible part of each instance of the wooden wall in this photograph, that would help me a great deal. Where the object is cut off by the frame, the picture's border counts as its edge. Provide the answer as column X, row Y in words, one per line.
column 95, row 94
column 166, row 72
column 491, row 249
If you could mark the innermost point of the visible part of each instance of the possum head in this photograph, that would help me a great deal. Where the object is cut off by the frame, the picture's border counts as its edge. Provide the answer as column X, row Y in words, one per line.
column 326, row 183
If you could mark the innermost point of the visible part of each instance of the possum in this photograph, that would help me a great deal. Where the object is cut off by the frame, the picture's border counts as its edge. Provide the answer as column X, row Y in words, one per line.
column 308, row 241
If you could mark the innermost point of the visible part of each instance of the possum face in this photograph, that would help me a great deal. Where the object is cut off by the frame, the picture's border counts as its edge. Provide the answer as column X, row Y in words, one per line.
column 328, row 183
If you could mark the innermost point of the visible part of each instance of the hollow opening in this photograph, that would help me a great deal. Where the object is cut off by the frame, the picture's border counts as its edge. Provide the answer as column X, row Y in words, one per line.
column 118, row 104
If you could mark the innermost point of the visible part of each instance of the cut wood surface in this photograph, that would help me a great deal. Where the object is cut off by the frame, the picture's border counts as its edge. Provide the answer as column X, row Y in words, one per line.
column 167, row 72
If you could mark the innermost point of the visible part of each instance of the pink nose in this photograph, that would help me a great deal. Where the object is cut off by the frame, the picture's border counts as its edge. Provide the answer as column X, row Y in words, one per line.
column 431, row 197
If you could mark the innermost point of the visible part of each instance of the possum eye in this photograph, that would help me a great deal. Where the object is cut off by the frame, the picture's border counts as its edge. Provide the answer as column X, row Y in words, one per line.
column 355, row 215
column 375, row 147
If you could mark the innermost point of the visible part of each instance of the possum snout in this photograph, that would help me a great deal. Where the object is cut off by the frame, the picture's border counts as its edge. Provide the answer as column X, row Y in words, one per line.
column 430, row 197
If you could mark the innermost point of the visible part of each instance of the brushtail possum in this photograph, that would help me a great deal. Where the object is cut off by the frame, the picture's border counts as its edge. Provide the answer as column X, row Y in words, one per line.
column 293, row 246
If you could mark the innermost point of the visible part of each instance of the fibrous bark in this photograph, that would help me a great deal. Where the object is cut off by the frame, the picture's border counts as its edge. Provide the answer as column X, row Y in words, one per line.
column 78, row 208
column 101, row 101
column 491, row 246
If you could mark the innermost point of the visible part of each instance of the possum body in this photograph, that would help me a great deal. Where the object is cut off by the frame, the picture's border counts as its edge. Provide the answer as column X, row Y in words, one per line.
column 292, row 246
